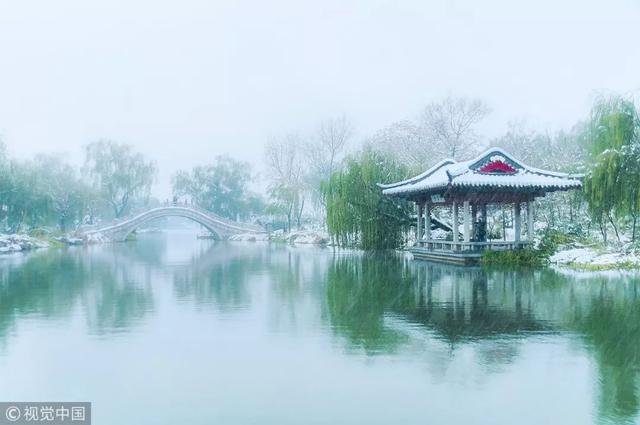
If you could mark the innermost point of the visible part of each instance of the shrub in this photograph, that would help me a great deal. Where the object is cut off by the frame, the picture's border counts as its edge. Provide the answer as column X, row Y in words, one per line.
column 520, row 257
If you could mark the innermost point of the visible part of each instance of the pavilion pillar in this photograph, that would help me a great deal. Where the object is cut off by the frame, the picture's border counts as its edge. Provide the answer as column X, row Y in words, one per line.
column 530, row 220
column 419, row 223
column 474, row 219
column 427, row 220
column 454, row 224
column 516, row 221
column 467, row 222
column 483, row 216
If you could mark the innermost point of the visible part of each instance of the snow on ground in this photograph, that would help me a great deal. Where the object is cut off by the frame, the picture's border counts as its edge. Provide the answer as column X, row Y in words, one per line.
column 69, row 240
column 95, row 238
column 573, row 255
column 17, row 243
column 309, row 237
column 250, row 237
column 304, row 237
column 584, row 256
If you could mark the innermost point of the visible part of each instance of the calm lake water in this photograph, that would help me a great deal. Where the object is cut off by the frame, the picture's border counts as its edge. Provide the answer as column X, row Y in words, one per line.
column 174, row 330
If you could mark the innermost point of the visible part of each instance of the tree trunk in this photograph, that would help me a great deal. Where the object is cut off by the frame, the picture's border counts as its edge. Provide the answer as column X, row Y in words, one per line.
column 603, row 230
column 299, row 214
column 615, row 228
column 289, row 213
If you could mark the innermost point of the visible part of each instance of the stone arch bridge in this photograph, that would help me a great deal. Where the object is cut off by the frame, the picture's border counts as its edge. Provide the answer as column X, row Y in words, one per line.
column 220, row 227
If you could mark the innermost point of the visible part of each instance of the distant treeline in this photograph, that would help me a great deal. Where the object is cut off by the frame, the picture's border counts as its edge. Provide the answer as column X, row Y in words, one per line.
column 48, row 191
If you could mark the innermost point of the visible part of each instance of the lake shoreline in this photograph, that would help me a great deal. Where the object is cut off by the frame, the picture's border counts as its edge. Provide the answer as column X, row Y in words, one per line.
column 586, row 258
column 581, row 258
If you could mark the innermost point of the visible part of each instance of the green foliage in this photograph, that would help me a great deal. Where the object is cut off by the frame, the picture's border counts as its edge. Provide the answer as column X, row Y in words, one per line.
column 357, row 213
column 550, row 242
column 518, row 257
column 119, row 173
column 613, row 184
column 41, row 192
column 66, row 192
column 221, row 187
column 623, row 265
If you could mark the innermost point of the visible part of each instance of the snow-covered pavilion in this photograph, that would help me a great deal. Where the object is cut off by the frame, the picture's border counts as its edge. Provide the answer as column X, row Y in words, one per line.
column 494, row 177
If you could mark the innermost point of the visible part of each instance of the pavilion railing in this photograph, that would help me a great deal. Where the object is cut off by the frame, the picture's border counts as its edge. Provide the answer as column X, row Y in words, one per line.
column 461, row 246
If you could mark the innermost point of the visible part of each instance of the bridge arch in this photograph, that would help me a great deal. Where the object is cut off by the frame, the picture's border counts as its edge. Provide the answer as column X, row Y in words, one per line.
column 130, row 229
column 218, row 226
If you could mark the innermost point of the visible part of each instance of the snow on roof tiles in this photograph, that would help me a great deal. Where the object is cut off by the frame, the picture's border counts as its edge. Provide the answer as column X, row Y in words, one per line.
column 510, row 173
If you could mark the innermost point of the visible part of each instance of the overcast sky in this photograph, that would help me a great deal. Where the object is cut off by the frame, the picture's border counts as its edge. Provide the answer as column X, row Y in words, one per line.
column 187, row 80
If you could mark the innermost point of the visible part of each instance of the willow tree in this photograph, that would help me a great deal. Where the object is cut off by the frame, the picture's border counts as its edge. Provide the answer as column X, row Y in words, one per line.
column 612, row 185
column 357, row 213
column 119, row 173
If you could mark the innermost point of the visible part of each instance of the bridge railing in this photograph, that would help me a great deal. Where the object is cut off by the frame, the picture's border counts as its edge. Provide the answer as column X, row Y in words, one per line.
column 212, row 215
column 133, row 215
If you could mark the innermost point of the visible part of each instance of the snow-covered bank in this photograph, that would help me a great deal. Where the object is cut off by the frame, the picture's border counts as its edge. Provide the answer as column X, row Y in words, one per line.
column 18, row 243
column 303, row 237
column 250, row 237
column 589, row 258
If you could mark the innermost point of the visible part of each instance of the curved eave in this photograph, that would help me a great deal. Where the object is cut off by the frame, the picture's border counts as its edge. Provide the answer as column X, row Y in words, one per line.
column 419, row 177
column 543, row 187
column 568, row 185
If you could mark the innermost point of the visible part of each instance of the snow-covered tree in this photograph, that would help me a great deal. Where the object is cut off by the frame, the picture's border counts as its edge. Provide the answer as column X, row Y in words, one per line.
column 286, row 170
column 406, row 142
column 324, row 152
column 450, row 126
column 119, row 173
column 63, row 187
column 221, row 187
column 612, row 184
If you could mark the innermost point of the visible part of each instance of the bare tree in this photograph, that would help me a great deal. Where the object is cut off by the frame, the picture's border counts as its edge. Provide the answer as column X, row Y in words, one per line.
column 329, row 144
column 534, row 147
column 286, row 170
column 450, row 125
column 405, row 141
column 324, row 152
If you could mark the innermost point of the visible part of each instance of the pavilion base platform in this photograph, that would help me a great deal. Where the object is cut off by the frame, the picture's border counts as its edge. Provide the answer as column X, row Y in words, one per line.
column 462, row 253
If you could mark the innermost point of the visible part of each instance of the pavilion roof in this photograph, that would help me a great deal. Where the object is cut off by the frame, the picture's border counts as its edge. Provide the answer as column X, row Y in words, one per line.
column 494, row 169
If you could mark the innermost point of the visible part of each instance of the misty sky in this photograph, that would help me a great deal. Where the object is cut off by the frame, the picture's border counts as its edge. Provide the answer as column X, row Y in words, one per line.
column 187, row 80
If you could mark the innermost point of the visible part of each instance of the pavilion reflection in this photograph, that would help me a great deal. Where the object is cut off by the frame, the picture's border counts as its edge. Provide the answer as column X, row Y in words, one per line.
column 457, row 303
column 382, row 305
column 463, row 303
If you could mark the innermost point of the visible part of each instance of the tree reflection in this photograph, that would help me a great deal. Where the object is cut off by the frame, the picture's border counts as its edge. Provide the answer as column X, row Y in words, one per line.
column 376, row 304
column 52, row 284
column 42, row 285
column 462, row 306
column 610, row 324
column 218, row 276
column 118, row 294
column 359, row 291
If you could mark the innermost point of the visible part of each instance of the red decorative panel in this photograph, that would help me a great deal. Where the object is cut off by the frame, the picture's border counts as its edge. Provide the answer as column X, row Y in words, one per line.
column 497, row 167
